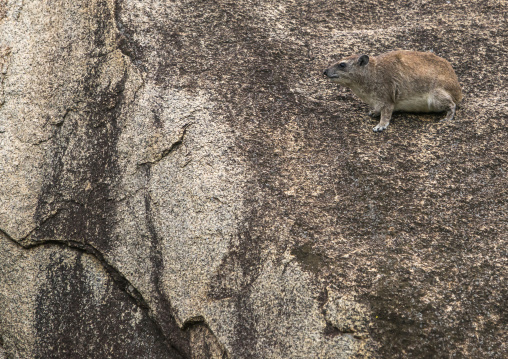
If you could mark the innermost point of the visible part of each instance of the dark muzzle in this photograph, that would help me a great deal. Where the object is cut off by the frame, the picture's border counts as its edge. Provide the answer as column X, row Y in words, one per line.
column 330, row 74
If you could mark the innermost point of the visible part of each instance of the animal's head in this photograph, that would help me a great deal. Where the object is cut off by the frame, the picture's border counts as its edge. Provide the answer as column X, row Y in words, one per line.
column 346, row 70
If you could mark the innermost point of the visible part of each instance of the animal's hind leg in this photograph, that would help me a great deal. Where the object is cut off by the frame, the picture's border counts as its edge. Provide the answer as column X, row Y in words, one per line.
column 450, row 113
column 443, row 101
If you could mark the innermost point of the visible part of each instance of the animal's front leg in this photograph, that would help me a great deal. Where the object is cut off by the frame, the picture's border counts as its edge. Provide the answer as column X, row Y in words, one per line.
column 375, row 110
column 386, row 115
column 374, row 113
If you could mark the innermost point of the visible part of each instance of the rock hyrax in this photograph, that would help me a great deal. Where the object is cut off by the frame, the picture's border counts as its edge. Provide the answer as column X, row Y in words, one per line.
column 400, row 81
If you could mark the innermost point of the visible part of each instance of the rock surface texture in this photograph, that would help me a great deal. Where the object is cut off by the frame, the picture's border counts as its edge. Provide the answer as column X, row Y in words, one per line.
column 177, row 180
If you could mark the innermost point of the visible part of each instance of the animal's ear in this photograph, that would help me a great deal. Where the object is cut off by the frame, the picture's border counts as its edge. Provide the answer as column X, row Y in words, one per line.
column 363, row 60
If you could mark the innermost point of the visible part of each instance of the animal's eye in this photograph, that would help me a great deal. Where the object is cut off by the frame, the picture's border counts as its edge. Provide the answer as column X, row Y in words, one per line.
column 342, row 65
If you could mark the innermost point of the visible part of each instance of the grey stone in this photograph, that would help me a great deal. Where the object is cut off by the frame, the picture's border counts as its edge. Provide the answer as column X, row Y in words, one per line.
column 177, row 180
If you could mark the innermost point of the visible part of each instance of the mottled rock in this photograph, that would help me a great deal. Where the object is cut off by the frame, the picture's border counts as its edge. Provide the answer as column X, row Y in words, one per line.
column 347, row 316
column 178, row 180
column 58, row 302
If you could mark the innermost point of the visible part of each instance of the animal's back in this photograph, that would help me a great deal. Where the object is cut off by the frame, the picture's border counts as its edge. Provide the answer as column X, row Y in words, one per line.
column 419, row 73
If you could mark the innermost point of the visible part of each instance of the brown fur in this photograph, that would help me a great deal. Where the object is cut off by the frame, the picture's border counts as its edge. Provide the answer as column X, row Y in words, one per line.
column 400, row 81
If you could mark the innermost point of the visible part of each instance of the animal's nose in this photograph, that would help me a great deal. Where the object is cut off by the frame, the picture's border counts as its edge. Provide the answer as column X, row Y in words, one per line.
column 325, row 73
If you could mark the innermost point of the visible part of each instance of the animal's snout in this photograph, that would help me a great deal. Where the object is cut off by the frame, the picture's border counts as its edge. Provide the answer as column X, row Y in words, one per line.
column 330, row 73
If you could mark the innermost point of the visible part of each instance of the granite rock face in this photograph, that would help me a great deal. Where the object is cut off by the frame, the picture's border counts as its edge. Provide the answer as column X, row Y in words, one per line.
column 177, row 180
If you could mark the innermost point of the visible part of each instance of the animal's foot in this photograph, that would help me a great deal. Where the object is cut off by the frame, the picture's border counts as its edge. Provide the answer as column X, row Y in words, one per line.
column 379, row 128
column 447, row 118
column 449, row 115
column 374, row 114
